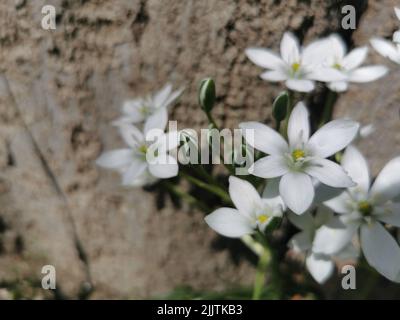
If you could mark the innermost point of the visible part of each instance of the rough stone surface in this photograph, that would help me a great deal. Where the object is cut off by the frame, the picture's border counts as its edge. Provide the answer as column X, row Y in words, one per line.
column 60, row 90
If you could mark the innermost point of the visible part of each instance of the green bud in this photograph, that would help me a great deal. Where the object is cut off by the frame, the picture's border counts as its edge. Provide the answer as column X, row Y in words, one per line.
column 280, row 106
column 207, row 94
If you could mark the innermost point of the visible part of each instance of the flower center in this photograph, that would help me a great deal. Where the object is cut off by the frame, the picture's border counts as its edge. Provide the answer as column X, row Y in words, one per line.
column 337, row 66
column 298, row 154
column 143, row 149
column 144, row 110
column 295, row 67
column 262, row 218
column 365, row 208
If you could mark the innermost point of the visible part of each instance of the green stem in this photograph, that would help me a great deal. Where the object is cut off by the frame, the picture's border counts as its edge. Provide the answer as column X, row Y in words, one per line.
column 209, row 187
column 285, row 125
column 259, row 281
column 327, row 113
column 185, row 196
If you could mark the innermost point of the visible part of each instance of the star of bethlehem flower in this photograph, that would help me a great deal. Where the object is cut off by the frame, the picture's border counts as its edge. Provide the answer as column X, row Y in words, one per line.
column 298, row 67
column 396, row 35
column 151, row 110
column 303, row 158
column 364, row 208
column 319, row 264
column 252, row 211
column 143, row 162
column 386, row 48
column 349, row 64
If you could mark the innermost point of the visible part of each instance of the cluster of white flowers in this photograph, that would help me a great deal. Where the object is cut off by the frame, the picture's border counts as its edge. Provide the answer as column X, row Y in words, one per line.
column 323, row 60
column 143, row 162
column 337, row 211
column 307, row 184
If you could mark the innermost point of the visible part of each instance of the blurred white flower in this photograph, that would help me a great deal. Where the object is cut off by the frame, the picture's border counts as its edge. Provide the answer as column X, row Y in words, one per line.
column 298, row 67
column 387, row 49
column 349, row 64
column 396, row 35
column 251, row 211
column 142, row 162
column 319, row 264
column 303, row 158
column 151, row 110
column 364, row 208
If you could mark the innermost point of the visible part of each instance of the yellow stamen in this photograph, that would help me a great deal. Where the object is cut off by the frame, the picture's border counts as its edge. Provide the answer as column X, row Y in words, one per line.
column 262, row 218
column 365, row 207
column 295, row 66
column 143, row 149
column 298, row 154
column 337, row 66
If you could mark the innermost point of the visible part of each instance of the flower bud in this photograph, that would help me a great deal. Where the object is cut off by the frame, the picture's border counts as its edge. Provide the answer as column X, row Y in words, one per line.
column 207, row 94
column 280, row 106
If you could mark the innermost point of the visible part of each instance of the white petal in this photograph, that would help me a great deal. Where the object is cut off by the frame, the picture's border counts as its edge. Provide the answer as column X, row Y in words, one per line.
column 297, row 191
column 164, row 166
column 381, row 250
column 325, row 74
column 275, row 75
column 157, row 120
column 320, row 267
column 324, row 193
column 269, row 167
column 115, row 159
column 340, row 204
column 397, row 12
column 324, row 215
column 290, row 49
column 338, row 46
column 161, row 96
column 355, row 58
column 300, row 85
column 304, row 221
column 301, row 241
column 131, row 135
column 330, row 239
column 387, row 183
column 229, row 223
column 299, row 125
column 333, row 137
column 367, row 74
column 166, row 142
column 329, row 173
column 316, row 52
column 357, row 168
column 390, row 214
column 244, row 196
column 396, row 36
column 131, row 108
column 386, row 49
column 135, row 169
column 264, row 58
column 172, row 97
column 338, row 86
column 271, row 194
column 263, row 138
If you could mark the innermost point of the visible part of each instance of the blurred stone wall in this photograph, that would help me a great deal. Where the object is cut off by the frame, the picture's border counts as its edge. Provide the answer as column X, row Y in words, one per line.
column 60, row 89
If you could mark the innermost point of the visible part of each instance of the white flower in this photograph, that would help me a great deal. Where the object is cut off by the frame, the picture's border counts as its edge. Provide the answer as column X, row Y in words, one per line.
column 143, row 161
column 303, row 158
column 298, row 67
column 396, row 35
column 364, row 208
column 349, row 64
column 387, row 49
column 319, row 264
column 151, row 110
column 251, row 211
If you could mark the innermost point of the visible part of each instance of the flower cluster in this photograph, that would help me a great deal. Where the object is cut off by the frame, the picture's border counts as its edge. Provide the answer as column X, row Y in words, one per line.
column 315, row 179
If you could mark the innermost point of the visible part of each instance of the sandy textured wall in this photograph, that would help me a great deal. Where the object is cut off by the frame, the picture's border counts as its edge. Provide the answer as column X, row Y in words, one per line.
column 60, row 89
